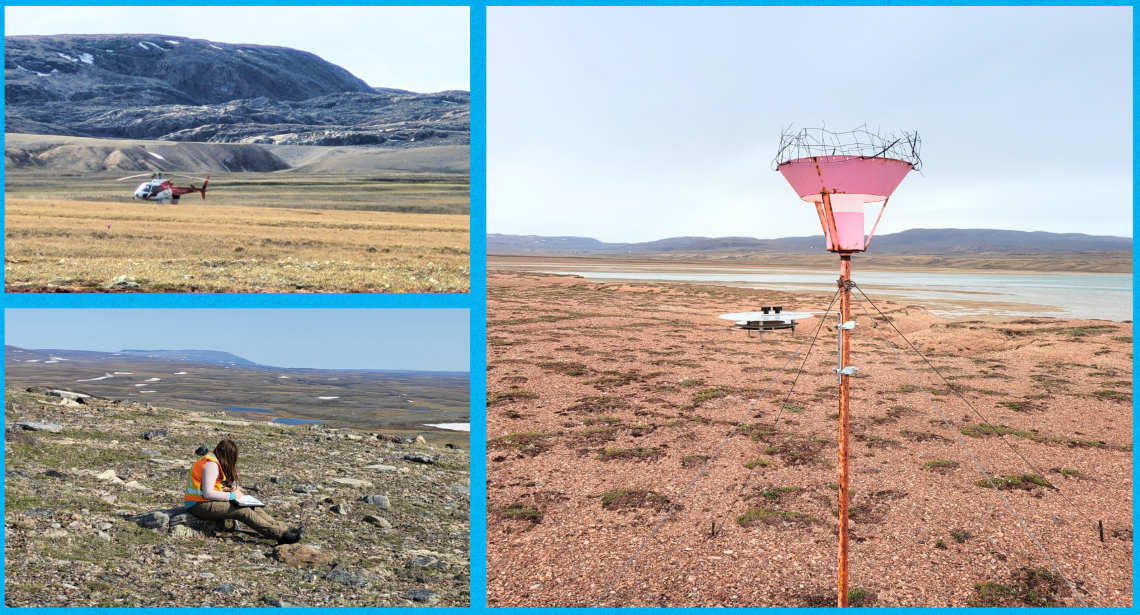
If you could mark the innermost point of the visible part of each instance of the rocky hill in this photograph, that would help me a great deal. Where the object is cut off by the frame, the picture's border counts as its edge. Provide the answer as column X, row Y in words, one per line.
column 93, row 493
column 913, row 241
column 181, row 89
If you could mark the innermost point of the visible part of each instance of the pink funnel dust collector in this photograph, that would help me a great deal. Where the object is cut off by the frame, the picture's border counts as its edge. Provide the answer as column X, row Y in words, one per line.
column 840, row 173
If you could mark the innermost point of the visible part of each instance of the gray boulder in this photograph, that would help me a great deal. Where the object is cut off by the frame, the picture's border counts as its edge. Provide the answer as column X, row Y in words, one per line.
column 377, row 500
column 345, row 577
column 166, row 520
column 426, row 596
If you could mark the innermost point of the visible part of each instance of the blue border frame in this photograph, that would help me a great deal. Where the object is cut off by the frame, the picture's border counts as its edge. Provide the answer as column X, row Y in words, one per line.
column 474, row 302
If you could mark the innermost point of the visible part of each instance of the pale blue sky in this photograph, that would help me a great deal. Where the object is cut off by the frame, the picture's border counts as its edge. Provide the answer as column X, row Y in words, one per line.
column 421, row 48
column 399, row 339
column 639, row 123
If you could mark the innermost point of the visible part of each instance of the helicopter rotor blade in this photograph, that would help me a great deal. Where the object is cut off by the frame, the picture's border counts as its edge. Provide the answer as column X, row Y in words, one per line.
column 201, row 179
column 135, row 176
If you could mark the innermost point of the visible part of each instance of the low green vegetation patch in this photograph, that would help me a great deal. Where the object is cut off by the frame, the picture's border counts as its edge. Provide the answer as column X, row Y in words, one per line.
column 642, row 453
column 526, row 442
column 1037, row 587
column 1020, row 406
column 978, row 431
column 599, row 433
column 613, row 378
column 940, row 465
column 494, row 397
column 1078, row 332
column 759, row 462
column 1112, row 395
column 757, row 431
column 567, row 368
column 773, row 494
column 518, row 511
column 856, row 597
column 605, row 420
column 705, row 395
column 693, row 461
column 771, row 515
column 633, row 498
column 961, row 536
column 603, row 403
column 1026, row 482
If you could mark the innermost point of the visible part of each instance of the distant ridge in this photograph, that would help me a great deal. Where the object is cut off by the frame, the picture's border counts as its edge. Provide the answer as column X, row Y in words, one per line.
column 198, row 356
column 913, row 241
column 44, row 355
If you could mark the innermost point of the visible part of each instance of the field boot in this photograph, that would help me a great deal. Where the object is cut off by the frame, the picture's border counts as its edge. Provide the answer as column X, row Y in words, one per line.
column 292, row 536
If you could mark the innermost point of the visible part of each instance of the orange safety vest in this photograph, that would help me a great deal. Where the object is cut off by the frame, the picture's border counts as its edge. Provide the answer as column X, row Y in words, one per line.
column 194, row 481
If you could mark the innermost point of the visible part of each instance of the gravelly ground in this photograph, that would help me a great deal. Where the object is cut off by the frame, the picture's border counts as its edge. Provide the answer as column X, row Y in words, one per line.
column 603, row 397
column 69, row 540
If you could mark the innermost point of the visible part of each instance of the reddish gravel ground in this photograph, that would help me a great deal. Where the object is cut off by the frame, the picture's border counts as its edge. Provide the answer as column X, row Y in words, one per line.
column 605, row 400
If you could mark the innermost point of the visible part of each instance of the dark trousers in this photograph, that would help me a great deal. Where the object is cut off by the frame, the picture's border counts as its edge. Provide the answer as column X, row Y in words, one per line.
column 255, row 518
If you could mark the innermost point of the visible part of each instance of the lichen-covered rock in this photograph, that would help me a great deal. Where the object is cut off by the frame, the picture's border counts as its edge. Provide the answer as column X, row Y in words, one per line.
column 301, row 556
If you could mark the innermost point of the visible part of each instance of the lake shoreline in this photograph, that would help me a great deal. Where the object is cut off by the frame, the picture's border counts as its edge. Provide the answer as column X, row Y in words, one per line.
column 954, row 294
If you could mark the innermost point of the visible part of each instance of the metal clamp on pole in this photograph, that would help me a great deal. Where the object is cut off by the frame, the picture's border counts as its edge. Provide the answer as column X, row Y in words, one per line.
column 846, row 371
column 842, row 369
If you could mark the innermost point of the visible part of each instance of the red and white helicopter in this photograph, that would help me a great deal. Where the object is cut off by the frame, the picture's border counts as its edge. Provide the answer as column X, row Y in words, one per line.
column 161, row 189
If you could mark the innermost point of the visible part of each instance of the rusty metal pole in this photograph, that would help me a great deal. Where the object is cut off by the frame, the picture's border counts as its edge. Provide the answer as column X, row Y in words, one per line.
column 844, row 417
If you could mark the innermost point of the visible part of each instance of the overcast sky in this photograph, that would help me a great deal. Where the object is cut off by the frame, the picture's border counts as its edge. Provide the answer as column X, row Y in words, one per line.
column 435, row 340
column 640, row 123
column 422, row 49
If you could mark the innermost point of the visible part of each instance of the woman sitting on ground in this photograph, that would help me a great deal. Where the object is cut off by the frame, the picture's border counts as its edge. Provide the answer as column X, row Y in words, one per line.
column 211, row 492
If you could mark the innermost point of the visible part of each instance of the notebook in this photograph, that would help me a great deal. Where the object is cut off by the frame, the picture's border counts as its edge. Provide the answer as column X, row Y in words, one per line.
column 248, row 500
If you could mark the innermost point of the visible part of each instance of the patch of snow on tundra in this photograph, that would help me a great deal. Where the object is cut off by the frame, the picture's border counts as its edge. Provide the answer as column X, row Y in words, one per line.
column 99, row 378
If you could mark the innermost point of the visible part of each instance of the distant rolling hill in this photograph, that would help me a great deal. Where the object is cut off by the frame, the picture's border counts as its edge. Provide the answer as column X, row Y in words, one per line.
column 215, row 381
column 26, row 355
column 913, row 241
column 198, row 356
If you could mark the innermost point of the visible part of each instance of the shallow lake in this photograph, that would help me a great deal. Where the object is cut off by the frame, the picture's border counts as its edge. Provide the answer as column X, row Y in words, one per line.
column 957, row 295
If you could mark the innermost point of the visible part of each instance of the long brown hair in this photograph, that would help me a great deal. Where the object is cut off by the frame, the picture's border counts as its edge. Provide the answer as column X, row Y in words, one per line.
column 227, row 453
